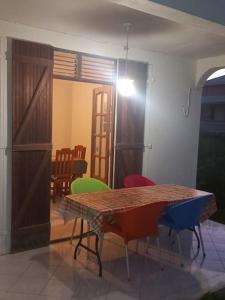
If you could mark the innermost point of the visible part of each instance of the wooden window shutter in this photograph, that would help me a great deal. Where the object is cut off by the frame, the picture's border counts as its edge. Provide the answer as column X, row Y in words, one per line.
column 83, row 67
column 65, row 64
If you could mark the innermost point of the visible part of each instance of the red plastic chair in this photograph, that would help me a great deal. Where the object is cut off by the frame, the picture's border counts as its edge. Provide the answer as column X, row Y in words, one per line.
column 136, row 223
column 135, row 180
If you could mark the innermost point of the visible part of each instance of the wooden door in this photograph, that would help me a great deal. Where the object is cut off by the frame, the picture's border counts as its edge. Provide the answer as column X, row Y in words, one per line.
column 130, row 116
column 101, row 133
column 31, row 144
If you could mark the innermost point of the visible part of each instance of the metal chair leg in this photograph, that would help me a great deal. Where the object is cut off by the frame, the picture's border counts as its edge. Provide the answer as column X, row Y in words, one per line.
column 148, row 244
column 73, row 231
column 137, row 246
column 180, row 251
column 127, row 262
column 201, row 240
column 159, row 249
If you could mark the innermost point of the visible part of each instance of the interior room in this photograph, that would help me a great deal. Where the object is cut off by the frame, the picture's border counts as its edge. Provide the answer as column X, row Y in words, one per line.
column 71, row 126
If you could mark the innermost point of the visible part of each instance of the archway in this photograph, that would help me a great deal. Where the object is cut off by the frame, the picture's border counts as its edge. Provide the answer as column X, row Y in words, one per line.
column 211, row 151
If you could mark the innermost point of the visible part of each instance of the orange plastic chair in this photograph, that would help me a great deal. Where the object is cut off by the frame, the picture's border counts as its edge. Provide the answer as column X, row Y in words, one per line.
column 80, row 151
column 136, row 223
column 135, row 180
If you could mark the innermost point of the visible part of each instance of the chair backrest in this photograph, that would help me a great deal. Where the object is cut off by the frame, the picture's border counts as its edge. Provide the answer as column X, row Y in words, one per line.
column 141, row 221
column 187, row 213
column 63, row 162
column 88, row 185
column 80, row 151
column 135, row 180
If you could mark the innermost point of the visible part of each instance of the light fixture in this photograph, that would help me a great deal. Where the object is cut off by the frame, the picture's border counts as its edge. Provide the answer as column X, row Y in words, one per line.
column 125, row 85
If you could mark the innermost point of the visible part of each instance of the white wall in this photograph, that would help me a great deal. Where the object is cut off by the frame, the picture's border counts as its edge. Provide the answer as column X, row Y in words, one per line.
column 172, row 135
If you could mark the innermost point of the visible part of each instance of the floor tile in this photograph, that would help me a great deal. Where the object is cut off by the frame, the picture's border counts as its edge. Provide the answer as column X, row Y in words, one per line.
column 29, row 285
column 52, row 273
column 16, row 296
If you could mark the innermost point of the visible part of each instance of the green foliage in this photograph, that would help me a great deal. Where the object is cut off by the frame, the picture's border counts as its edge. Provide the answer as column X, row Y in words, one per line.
column 211, row 170
column 210, row 296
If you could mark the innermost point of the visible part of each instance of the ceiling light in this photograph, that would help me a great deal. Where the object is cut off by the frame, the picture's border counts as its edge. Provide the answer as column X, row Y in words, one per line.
column 125, row 84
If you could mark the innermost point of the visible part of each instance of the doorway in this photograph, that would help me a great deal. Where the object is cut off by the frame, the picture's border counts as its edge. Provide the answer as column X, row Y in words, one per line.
column 32, row 79
column 82, row 114
column 211, row 153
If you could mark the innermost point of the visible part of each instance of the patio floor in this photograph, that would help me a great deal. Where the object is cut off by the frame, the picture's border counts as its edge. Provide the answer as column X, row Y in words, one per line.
column 51, row 272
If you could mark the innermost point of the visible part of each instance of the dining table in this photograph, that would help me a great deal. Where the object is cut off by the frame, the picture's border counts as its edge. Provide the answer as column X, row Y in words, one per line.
column 96, row 207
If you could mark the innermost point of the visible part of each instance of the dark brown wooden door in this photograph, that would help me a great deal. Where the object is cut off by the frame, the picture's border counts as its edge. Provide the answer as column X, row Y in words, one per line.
column 31, row 144
column 101, row 133
column 130, row 123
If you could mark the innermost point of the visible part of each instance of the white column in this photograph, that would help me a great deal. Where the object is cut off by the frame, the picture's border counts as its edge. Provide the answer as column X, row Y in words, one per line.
column 5, row 154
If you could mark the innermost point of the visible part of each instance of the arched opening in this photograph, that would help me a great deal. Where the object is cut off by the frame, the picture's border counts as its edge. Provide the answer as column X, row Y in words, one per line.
column 211, row 151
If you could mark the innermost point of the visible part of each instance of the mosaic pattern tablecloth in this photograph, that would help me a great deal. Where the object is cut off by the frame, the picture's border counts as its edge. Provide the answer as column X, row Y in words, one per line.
column 94, row 206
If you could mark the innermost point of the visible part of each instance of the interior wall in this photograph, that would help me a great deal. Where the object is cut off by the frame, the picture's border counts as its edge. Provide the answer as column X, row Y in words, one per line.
column 61, row 114
column 72, row 115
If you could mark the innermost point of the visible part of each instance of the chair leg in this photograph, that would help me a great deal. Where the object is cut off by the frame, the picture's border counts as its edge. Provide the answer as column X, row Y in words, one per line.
column 127, row 262
column 73, row 231
column 137, row 245
column 148, row 244
column 159, row 249
column 179, row 247
column 201, row 240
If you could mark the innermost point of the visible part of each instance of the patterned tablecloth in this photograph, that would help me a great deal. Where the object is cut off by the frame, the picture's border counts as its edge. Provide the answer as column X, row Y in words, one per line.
column 93, row 206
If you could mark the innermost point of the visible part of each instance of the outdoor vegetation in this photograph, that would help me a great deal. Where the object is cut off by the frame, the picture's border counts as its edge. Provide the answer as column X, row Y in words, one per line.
column 211, row 296
column 211, row 171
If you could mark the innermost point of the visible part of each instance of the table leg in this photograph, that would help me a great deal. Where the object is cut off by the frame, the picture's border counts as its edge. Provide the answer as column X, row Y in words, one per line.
column 79, row 244
column 80, row 239
column 98, row 256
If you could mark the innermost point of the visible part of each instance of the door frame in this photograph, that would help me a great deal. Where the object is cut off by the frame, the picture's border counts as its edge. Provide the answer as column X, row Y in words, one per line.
column 5, row 146
column 113, row 86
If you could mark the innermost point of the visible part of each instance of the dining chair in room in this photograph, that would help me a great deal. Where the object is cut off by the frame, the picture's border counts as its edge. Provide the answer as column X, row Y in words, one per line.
column 136, row 223
column 135, row 180
column 86, row 185
column 80, row 151
column 185, row 215
column 62, row 172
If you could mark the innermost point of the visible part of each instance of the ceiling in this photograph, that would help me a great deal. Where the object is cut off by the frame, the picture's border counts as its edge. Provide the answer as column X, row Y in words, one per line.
column 103, row 21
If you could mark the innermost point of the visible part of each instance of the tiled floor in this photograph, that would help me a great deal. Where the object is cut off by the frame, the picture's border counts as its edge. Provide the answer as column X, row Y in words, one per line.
column 51, row 273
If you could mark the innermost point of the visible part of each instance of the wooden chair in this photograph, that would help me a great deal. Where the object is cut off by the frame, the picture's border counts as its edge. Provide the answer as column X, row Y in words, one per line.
column 62, row 172
column 80, row 151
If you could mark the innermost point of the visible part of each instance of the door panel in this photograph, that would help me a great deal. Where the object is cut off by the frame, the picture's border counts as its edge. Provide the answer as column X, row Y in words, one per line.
column 130, row 123
column 101, row 133
column 31, row 145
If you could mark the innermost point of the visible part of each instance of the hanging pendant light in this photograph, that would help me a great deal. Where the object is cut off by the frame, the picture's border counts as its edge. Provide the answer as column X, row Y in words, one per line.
column 125, row 85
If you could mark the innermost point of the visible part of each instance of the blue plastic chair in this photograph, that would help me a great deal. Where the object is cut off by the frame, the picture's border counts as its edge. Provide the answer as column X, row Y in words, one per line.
column 185, row 215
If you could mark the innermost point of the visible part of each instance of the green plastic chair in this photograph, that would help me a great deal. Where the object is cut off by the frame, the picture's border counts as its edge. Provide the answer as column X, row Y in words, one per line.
column 86, row 185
